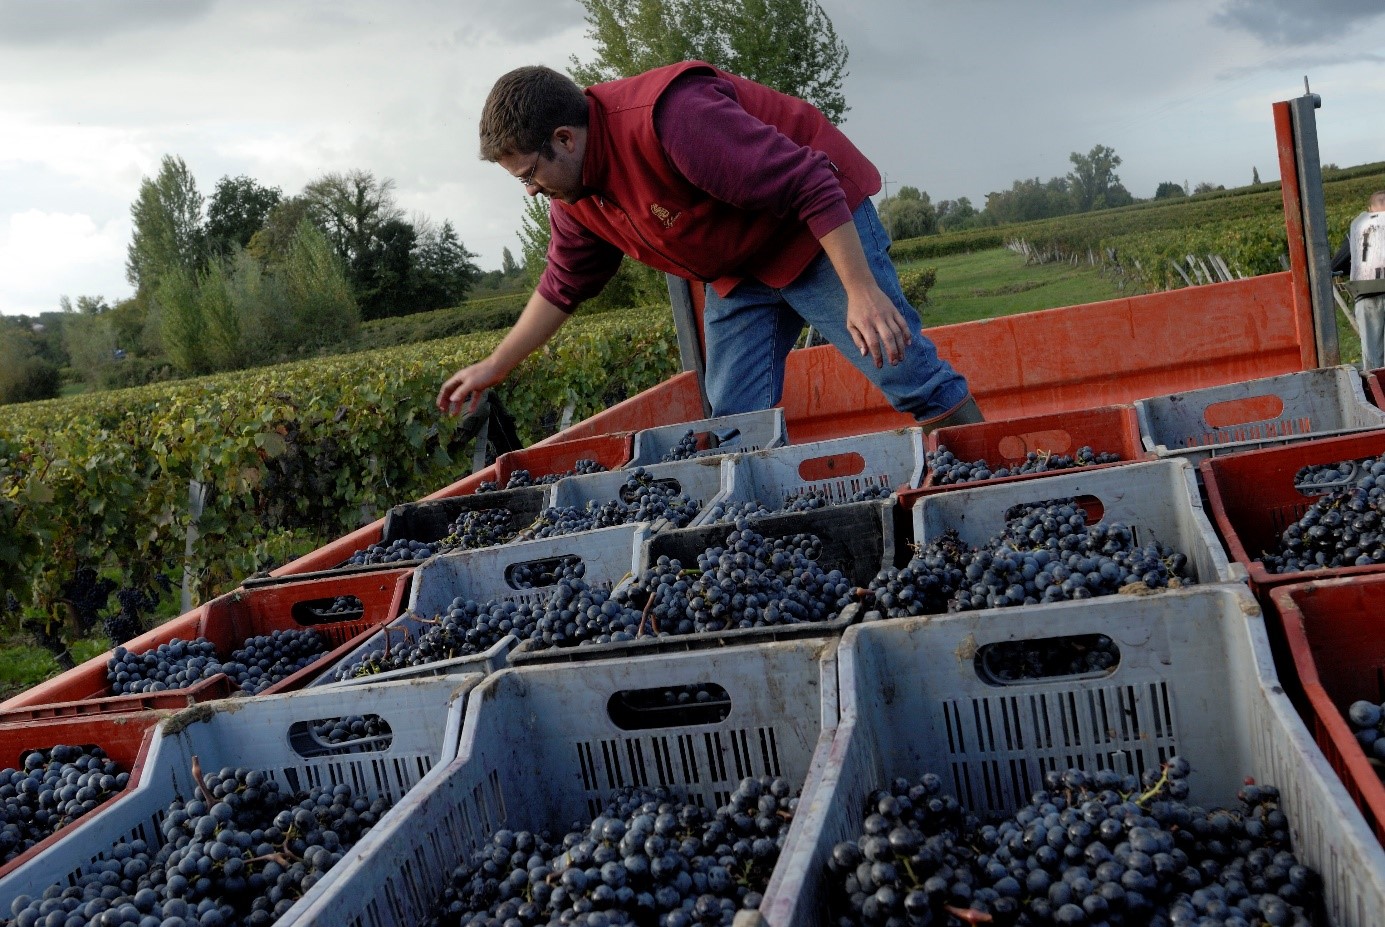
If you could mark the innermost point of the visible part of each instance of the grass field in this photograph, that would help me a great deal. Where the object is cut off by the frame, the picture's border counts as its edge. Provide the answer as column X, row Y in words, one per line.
column 996, row 282
column 22, row 666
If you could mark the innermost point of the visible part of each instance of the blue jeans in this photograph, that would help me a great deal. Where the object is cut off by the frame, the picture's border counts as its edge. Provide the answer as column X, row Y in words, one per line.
column 749, row 335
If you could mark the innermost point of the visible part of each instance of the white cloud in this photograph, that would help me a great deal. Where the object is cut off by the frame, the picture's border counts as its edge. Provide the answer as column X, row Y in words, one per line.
column 96, row 156
column 47, row 255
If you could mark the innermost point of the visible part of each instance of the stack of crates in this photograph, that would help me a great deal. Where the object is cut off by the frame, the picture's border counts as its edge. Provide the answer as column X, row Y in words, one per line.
column 525, row 738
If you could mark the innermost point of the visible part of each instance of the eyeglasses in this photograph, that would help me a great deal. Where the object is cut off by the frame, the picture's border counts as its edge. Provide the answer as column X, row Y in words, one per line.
column 527, row 180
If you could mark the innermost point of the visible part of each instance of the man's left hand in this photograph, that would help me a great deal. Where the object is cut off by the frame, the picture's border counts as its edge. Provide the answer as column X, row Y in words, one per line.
column 874, row 322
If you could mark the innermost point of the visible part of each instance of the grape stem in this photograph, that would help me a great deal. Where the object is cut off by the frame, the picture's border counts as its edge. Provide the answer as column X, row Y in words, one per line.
column 1156, row 788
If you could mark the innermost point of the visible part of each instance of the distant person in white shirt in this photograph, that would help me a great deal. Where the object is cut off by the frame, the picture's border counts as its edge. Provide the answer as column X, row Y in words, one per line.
column 1363, row 253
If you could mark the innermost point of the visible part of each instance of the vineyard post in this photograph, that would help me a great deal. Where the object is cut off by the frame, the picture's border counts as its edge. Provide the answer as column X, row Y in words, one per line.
column 197, row 499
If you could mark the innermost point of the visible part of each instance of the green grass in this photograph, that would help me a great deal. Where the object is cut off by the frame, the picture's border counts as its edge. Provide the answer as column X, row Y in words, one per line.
column 25, row 665
column 996, row 282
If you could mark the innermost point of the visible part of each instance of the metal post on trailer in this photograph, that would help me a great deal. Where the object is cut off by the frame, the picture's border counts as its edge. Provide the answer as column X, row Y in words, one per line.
column 688, row 324
column 1313, row 210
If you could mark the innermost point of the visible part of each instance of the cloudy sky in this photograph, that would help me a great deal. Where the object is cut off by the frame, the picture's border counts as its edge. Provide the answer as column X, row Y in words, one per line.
column 957, row 98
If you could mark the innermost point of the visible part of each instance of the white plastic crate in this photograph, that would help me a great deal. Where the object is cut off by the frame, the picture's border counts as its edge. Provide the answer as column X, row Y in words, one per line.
column 1158, row 500
column 609, row 555
column 857, row 538
column 725, row 434
column 272, row 734
column 1195, row 678
column 840, row 468
column 540, row 750
column 701, row 478
column 1243, row 416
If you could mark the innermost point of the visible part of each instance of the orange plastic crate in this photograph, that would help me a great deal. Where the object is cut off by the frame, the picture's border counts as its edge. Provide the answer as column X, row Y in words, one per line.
column 227, row 622
column 611, row 451
column 1252, row 498
column 1335, row 630
column 125, row 738
column 1110, row 429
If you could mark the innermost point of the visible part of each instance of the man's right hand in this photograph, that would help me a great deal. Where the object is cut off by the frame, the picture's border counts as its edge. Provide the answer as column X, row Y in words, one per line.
column 469, row 383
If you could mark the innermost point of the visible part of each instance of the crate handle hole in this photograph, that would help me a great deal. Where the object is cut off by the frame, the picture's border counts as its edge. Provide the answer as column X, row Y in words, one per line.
column 346, row 734
column 669, row 706
column 545, row 571
column 831, row 466
column 1009, row 663
column 1243, row 411
column 327, row 610
column 1015, row 447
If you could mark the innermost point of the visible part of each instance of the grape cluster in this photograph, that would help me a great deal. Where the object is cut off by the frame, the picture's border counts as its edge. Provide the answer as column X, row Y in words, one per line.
column 947, row 469
column 685, row 449
column 240, row 852
column 51, row 789
column 1367, row 720
column 400, row 550
column 127, row 622
column 1343, row 528
column 266, row 659
column 470, row 530
column 699, row 693
column 478, row 528
column 641, row 497
column 520, row 478
column 648, row 859
column 257, row 664
column 807, row 501
column 351, row 727
column 88, row 593
column 1045, row 553
column 1088, row 849
column 342, row 605
column 572, row 614
column 1338, row 475
column 750, row 581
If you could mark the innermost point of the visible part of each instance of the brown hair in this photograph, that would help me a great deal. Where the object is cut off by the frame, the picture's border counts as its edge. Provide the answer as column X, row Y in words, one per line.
column 525, row 107
column 1377, row 201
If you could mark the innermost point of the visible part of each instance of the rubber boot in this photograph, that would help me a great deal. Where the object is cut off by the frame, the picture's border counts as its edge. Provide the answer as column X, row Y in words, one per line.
column 965, row 412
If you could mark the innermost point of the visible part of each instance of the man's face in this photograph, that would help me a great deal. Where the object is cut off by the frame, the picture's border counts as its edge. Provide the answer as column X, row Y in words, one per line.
column 555, row 172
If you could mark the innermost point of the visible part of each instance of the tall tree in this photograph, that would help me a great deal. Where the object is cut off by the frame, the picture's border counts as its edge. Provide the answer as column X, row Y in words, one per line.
column 443, row 269
column 909, row 214
column 789, row 45
column 167, row 216
column 508, row 266
column 534, row 234
column 366, row 229
column 351, row 207
column 1169, row 189
column 236, row 211
column 1093, row 179
column 956, row 214
column 276, row 234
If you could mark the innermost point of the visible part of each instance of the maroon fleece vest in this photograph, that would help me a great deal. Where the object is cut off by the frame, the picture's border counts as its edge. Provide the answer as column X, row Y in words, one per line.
column 646, row 209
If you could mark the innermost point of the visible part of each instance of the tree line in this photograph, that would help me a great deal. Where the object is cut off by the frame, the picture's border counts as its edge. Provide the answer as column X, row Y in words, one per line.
column 243, row 277
column 1092, row 184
